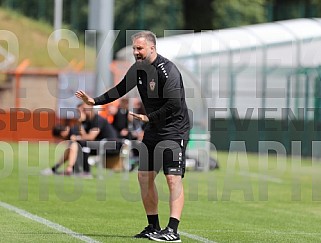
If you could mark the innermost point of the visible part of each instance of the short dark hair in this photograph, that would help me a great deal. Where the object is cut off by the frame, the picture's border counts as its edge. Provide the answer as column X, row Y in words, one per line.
column 56, row 130
column 148, row 35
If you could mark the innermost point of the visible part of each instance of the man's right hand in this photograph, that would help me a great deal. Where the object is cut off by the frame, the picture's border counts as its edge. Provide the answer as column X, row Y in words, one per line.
column 86, row 98
column 140, row 117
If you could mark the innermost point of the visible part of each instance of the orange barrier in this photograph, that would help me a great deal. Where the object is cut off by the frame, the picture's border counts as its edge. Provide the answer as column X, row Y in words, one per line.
column 22, row 124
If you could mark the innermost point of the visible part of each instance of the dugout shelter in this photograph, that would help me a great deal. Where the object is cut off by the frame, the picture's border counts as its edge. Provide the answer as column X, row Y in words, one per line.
column 254, row 83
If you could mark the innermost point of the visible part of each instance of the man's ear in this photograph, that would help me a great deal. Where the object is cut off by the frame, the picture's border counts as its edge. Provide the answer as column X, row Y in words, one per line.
column 153, row 48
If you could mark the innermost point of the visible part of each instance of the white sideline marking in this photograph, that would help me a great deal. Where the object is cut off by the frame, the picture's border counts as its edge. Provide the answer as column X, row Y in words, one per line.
column 196, row 237
column 79, row 236
column 48, row 223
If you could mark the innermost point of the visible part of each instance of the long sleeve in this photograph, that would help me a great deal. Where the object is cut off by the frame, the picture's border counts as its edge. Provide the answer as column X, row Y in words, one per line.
column 172, row 105
column 124, row 86
column 162, row 92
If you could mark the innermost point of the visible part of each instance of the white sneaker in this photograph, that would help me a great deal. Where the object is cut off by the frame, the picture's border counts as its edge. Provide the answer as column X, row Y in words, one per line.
column 46, row 172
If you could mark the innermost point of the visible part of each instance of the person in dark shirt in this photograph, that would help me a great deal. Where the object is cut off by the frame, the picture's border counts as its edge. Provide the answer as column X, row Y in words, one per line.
column 94, row 128
column 166, row 132
column 70, row 135
column 120, row 121
column 126, row 126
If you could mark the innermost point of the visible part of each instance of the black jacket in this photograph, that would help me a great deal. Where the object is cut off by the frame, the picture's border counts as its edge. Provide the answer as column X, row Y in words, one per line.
column 161, row 88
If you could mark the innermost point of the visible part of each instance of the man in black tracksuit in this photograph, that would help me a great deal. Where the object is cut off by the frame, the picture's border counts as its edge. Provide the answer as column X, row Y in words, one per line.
column 161, row 88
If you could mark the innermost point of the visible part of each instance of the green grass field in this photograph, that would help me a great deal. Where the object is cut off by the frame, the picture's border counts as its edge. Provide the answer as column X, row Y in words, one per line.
column 249, row 199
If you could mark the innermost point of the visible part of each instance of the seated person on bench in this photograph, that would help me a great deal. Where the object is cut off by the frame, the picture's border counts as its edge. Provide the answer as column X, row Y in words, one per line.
column 94, row 128
column 70, row 134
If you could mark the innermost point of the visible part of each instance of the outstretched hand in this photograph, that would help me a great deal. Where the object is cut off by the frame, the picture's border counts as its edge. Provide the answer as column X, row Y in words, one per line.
column 86, row 98
column 140, row 117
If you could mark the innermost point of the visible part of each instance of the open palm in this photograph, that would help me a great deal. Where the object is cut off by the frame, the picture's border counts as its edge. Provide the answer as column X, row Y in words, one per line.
column 86, row 98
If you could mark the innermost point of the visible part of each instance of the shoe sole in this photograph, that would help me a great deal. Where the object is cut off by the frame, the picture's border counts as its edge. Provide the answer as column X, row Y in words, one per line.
column 158, row 240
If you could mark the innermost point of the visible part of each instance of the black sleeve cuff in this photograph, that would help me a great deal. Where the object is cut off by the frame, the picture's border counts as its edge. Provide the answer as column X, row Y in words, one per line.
column 100, row 100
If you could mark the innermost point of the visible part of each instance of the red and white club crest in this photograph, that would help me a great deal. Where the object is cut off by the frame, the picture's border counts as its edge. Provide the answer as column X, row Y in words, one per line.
column 152, row 85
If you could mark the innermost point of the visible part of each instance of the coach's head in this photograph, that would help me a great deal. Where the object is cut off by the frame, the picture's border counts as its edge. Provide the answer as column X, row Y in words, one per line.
column 144, row 46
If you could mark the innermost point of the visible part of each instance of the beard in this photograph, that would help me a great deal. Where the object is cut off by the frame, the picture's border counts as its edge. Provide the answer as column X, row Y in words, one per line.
column 143, row 60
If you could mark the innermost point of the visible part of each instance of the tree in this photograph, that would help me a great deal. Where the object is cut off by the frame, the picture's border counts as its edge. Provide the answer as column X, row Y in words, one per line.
column 198, row 15
column 231, row 13
column 154, row 15
column 289, row 9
